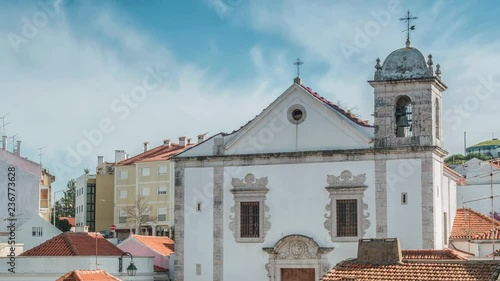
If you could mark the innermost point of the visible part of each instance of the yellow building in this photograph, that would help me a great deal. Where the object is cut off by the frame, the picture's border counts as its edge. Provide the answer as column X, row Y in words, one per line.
column 94, row 199
column 104, row 194
column 147, row 177
column 46, row 180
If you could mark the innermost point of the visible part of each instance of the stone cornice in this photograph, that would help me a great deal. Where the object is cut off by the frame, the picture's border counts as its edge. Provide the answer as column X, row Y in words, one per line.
column 308, row 156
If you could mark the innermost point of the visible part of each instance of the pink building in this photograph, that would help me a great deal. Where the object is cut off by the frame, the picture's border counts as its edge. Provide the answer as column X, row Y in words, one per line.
column 160, row 247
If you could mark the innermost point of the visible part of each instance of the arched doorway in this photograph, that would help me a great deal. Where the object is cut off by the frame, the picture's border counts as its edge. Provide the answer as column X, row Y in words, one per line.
column 297, row 257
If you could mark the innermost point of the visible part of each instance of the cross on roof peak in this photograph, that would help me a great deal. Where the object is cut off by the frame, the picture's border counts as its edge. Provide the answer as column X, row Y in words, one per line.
column 407, row 19
column 298, row 63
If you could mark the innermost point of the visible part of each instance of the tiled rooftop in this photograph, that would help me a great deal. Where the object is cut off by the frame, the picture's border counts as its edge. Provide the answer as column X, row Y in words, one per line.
column 160, row 244
column 445, row 254
column 487, row 235
column 88, row 275
column 160, row 153
column 435, row 271
column 75, row 244
column 363, row 123
column 469, row 223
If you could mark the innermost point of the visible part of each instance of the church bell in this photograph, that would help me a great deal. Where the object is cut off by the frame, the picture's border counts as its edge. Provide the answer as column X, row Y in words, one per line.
column 403, row 121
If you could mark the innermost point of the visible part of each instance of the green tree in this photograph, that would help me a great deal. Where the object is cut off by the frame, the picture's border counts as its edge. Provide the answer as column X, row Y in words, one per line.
column 63, row 225
column 65, row 206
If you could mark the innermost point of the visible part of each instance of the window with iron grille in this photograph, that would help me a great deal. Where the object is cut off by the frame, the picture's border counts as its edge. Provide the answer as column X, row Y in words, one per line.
column 37, row 231
column 249, row 219
column 347, row 217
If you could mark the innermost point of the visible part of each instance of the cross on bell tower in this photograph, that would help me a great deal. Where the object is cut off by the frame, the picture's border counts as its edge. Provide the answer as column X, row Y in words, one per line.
column 297, row 79
column 409, row 27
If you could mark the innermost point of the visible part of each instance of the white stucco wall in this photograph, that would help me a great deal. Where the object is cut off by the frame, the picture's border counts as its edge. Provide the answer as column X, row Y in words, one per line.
column 27, row 184
column 198, row 226
column 322, row 129
column 405, row 221
column 51, row 268
column 297, row 201
column 24, row 233
column 81, row 200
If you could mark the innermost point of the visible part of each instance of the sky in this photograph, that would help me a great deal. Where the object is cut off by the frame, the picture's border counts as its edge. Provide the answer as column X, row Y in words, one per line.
column 84, row 78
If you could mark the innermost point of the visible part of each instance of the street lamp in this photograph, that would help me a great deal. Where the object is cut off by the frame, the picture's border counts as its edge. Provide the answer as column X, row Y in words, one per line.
column 54, row 205
column 131, row 269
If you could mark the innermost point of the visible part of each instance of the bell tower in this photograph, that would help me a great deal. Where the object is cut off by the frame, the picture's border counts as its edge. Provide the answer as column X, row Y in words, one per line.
column 408, row 98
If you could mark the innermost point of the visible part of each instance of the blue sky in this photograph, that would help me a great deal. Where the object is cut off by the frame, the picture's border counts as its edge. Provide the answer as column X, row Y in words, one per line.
column 221, row 62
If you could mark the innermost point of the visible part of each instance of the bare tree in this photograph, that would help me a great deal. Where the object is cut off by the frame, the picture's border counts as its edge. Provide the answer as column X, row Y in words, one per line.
column 139, row 214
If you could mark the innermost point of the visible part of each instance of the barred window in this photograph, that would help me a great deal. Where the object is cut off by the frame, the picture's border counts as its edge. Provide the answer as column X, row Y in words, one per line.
column 347, row 218
column 250, row 219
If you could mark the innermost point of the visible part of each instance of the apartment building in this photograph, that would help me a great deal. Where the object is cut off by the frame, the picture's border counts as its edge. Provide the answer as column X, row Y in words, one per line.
column 46, row 181
column 147, row 177
column 94, row 198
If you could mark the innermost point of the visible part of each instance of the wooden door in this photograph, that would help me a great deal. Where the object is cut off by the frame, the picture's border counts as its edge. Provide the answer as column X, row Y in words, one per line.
column 297, row 274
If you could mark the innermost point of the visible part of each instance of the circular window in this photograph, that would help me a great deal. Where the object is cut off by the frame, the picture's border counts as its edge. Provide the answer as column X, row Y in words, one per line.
column 296, row 114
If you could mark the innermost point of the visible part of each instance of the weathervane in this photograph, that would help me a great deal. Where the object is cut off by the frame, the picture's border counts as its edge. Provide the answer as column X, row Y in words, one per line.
column 298, row 63
column 408, row 20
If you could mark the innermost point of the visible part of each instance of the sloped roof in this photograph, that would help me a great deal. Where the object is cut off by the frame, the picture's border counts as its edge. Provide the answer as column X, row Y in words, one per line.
column 444, row 254
column 346, row 114
column 493, row 142
column 469, row 223
column 88, row 275
column 160, row 153
column 435, row 271
column 487, row 235
column 458, row 178
column 75, row 244
column 160, row 244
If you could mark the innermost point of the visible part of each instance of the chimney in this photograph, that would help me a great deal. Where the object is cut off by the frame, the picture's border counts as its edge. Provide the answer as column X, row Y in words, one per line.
column 100, row 159
column 182, row 141
column 18, row 150
column 189, row 141
column 120, row 155
column 379, row 251
column 4, row 142
column 201, row 137
column 146, row 146
column 166, row 142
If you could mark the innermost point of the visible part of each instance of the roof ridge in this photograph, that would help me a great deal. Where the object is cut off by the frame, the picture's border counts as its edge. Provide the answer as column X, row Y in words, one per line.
column 346, row 113
column 69, row 242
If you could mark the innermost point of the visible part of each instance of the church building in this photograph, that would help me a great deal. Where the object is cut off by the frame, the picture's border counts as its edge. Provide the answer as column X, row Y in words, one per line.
column 289, row 194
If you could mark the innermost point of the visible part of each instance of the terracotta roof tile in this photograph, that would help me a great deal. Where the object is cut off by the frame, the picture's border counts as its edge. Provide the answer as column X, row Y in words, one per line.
column 88, row 275
column 487, row 235
column 469, row 223
column 445, row 254
column 70, row 220
column 459, row 178
column 160, row 244
column 160, row 153
column 436, row 271
column 75, row 244
column 340, row 110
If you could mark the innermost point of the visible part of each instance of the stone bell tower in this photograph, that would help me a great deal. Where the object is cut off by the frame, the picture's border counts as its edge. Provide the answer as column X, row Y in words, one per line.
column 408, row 94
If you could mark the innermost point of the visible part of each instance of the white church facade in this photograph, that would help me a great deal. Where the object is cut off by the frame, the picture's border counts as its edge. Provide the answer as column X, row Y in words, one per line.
column 289, row 194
